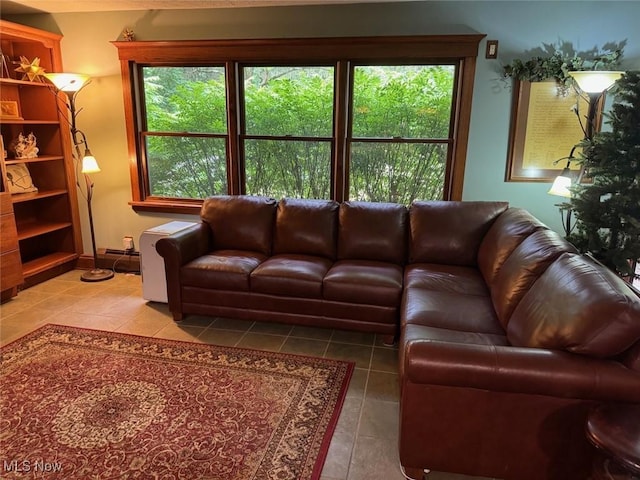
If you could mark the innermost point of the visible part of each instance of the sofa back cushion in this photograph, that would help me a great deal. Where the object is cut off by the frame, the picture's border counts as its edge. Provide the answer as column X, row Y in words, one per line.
column 307, row 227
column 632, row 357
column 522, row 268
column 578, row 306
column 240, row 222
column 372, row 231
column 449, row 232
column 506, row 233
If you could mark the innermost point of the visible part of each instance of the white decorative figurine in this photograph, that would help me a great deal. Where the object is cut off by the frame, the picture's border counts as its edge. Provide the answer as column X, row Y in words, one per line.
column 25, row 147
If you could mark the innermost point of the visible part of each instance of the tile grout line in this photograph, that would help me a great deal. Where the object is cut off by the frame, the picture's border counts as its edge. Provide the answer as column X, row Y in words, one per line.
column 364, row 396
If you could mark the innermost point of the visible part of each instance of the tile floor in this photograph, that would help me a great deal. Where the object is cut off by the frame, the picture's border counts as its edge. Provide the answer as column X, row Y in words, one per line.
column 364, row 445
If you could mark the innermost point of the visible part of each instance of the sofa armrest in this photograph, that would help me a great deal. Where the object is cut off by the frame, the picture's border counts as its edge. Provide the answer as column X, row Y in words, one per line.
column 178, row 249
column 519, row 370
column 185, row 245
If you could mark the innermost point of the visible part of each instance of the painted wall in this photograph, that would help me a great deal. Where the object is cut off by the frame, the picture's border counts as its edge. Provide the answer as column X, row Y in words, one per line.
column 518, row 25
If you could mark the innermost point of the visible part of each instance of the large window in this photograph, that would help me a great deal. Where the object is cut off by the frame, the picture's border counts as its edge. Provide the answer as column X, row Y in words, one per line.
column 400, row 132
column 288, row 119
column 186, row 131
column 375, row 119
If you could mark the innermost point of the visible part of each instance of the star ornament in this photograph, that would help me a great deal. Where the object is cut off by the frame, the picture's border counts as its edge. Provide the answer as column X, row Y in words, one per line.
column 31, row 70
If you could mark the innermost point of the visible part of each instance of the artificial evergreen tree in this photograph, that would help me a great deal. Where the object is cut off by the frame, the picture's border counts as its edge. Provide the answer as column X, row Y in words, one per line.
column 608, row 210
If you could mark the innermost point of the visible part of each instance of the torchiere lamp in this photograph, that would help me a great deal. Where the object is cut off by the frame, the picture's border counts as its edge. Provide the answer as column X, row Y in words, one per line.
column 71, row 84
column 594, row 84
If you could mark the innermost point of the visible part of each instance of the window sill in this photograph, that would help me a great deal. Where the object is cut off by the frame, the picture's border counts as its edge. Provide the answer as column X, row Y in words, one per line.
column 189, row 207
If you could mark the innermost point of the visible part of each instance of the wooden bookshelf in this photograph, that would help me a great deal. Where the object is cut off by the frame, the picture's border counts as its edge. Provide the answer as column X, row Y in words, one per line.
column 47, row 221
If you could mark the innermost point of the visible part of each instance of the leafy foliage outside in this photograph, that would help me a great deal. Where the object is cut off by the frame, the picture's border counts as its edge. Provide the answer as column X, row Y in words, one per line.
column 608, row 211
column 401, row 123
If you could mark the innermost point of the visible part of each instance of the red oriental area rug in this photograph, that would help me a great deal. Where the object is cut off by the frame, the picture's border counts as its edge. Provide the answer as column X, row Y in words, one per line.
column 87, row 404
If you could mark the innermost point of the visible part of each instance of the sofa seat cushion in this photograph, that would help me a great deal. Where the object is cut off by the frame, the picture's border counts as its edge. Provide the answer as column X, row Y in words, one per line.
column 467, row 313
column 291, row 275
column 445, row 278
column 363, row 281
column 221, row 269
column 578, row 306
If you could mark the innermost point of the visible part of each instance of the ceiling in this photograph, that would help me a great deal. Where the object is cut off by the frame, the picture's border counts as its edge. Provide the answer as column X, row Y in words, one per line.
column 14, row 7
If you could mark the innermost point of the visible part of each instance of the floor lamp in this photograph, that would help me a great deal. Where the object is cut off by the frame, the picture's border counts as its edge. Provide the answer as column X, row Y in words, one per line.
column 594, row 84
column 70, row 84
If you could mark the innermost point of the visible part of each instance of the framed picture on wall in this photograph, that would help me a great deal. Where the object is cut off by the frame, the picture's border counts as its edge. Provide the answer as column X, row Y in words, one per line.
column 544, row 130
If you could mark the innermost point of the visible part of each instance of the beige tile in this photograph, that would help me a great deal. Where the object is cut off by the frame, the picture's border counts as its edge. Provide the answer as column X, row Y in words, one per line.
column 86, row 289
column 336, row 465
column 173, row 331
column 25, row 299
column 159, row 312
column 359, row 354
column 379, row 419
column 227, row 338
column 54, row 286
column 271, row 328
column 99, row 304
column 358, row 383
column 58, row 302
column 375, row 458
column 358, row 338
column 198, row 321
column 260, row 341
column 86, row 320
column 349, row 416
column 383, row 386
column 231, row 324
column 305, row 346
column 385, row 360
column 13, row 332
column 30, row 316
column 128, row 307
column 143, row 325
column 315, row 333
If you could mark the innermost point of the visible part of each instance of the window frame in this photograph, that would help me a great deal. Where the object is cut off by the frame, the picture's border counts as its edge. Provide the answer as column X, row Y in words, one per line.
column 460, row 50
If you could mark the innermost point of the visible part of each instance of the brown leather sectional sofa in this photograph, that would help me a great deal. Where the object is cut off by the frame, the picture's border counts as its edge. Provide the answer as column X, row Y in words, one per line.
column 310, row 262
column 507, row 336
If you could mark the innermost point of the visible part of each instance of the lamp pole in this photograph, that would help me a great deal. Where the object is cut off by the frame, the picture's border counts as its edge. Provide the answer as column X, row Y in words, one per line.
column 71, row 84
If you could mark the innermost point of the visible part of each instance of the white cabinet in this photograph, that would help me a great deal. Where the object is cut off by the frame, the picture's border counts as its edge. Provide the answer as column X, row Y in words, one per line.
column 154, row 281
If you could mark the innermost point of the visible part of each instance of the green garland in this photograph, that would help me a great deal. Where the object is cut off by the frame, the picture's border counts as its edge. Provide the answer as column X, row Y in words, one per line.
column 561, row 60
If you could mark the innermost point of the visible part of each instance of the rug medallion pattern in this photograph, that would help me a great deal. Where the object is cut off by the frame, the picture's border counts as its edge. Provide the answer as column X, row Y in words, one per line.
column 83, row 404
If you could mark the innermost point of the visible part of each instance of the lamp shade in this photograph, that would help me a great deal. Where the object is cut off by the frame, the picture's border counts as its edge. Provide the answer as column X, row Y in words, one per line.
column 593, row 81
column 89, row 163
column 68, row 82
column 561, row 184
